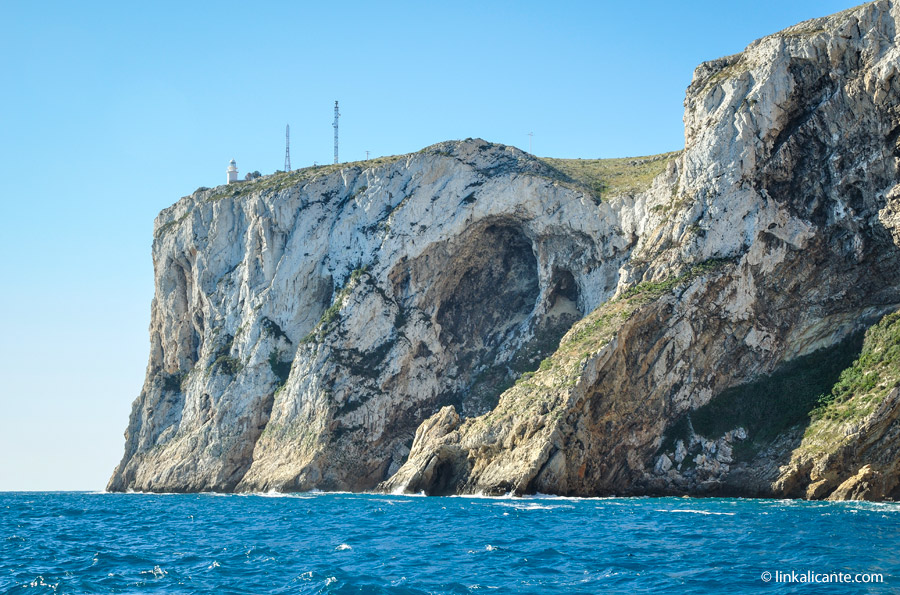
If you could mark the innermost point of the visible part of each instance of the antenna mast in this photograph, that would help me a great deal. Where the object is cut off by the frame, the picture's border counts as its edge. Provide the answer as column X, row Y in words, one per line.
column 287, row 148
column 337, row 115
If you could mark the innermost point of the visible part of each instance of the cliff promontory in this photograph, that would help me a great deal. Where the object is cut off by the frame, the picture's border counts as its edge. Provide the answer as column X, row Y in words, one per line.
column 469, row 318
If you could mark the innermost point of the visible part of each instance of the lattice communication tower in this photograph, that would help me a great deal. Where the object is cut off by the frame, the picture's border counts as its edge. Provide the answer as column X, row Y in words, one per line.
column 287, row 148
column 337, row 115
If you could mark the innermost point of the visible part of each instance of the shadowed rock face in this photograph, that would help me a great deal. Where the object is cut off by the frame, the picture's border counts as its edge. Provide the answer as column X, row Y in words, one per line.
column 400, row 325
column 487, row 290
column 789, row 180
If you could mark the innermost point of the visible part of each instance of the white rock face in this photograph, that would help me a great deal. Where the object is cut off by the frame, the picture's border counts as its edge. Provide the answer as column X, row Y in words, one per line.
column 680, row 451
column 663, row 464
column 378, row 295
column 339, row 328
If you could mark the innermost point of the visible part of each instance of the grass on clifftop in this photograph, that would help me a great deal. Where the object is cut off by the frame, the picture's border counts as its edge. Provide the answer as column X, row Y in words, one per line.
column 281, row 180
column 603, row 177
column 613, row 177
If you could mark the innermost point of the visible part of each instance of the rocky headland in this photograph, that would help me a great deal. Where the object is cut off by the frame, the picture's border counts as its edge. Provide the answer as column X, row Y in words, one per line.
column 470, row 318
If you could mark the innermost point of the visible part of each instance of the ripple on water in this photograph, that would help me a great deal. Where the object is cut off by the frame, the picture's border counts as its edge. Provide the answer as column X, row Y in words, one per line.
column 332, row 543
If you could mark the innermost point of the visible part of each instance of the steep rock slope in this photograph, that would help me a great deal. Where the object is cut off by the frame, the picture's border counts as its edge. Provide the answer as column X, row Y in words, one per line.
column 399, row 321
column 774, row 242
column 305, row 324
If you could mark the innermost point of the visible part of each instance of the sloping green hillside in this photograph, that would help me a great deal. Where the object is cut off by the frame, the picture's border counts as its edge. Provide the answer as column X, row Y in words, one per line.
column 613, row 177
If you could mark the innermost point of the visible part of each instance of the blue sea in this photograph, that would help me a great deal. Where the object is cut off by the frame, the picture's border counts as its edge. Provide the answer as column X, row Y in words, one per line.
column 362, row 543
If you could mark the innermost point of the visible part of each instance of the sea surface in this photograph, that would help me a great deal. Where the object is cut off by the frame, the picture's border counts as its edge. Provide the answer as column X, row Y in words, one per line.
column 63, row 542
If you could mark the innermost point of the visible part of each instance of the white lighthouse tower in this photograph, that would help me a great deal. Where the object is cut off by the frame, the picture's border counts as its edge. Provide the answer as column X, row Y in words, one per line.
column 231, row 172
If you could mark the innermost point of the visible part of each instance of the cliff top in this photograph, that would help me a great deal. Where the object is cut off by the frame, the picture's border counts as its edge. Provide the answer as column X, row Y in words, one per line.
column 614, row 177
column 610, row 177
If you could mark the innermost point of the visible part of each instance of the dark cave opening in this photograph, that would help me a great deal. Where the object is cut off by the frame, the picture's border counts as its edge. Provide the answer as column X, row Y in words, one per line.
column 491, row 288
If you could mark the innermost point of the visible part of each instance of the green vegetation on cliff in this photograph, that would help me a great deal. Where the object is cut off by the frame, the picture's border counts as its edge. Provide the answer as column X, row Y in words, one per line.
column 871, row 377
column 281, row 180
column 825, row 391
column 860, row 389
column 772, row 404
column 332, row 313
column 613, row 177
column 545, row 390
column 603, row 177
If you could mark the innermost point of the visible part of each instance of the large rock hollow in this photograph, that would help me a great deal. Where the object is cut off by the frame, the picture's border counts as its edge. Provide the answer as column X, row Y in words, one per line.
column 492, row 289
column 482, row 294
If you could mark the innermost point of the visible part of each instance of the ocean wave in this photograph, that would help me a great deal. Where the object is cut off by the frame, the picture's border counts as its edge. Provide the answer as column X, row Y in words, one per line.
column 525, row 505
column 294, row 543
column 692, row 511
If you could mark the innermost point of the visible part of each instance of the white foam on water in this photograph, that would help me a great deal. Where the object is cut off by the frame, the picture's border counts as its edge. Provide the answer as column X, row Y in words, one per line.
column 275, row 494
column 157, row 572
column 398, row 492
column 688, row 510
column 343, row 547
column 390, row 501
column 487, row 548
column 483, row 496
column 533, row 505
column 39, row 582
column 541, row 496
column 856, row 505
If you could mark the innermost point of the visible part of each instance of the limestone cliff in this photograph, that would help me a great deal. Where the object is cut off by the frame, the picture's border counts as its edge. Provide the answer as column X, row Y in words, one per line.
column 305, row 324
column 469, row 318
column 773, row 242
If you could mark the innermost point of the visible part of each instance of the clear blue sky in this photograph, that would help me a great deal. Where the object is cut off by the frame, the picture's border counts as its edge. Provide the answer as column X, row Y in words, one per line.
column 110, row 112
